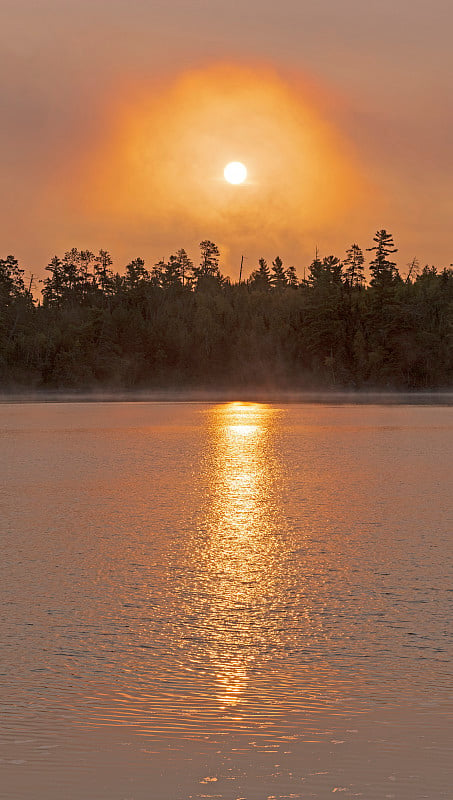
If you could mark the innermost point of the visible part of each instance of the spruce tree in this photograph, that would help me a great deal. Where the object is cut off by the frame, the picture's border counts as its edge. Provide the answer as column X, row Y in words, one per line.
column 261, row 277
column 278, row 276
column 291, row 277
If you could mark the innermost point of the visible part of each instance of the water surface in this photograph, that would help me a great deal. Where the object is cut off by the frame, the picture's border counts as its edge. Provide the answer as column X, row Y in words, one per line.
column 225, row 601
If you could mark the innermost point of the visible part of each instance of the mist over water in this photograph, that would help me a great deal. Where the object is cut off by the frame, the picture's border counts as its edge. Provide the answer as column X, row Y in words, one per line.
column 226, row 600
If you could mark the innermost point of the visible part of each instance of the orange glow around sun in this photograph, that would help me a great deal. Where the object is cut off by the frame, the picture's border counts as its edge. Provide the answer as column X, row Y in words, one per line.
column 160, row 160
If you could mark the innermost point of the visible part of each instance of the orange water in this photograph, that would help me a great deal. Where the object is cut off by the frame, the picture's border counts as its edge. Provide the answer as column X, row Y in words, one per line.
column 225, row 601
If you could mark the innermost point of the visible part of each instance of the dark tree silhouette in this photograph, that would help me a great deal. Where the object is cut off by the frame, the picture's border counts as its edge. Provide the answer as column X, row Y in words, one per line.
column 383, row 271
column 261, row 277
column 353, row 267
column 12, row 284
column 185, row 266
column 209, row 263
column 103, row 275
column 291, row 277
column 136, row 274
column 182, row 325
column 278, row 274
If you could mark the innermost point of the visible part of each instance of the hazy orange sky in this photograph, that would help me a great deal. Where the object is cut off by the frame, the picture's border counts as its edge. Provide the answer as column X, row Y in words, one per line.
column 118, row 118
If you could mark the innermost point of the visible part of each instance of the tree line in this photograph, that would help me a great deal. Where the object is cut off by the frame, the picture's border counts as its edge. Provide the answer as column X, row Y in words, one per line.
column 185, row 325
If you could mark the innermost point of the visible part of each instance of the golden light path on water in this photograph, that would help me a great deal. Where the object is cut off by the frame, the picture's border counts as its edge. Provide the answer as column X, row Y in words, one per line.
column 240, row 548
column 259, row 639
column 228, row 630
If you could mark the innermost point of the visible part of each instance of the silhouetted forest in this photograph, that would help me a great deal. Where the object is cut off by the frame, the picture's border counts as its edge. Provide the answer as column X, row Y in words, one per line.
column 184, row 325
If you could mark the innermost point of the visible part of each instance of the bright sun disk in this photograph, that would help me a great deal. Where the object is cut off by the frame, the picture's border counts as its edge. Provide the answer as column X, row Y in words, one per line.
column 235, row 172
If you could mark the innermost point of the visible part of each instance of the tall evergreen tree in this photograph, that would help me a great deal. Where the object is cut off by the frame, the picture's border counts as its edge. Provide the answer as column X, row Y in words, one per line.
column 261, row 277
column 278, row 274
column 209, row 262
column 383, row 270
column 136, row 274
column 315, row 271
column 171, row 273
column 12, row 284
column 333, row 269
column 72, row 280
column 55, row 285
column 353, row 266
column 291, row 277
column 327, row 271
column 185, row 266
column 157, row 273
column 103, row 273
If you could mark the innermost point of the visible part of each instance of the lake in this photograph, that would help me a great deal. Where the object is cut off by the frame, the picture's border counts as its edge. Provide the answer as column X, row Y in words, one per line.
column 233, row 601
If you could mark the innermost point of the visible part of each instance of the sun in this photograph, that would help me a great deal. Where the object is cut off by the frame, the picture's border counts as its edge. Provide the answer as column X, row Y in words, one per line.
column 235, row 172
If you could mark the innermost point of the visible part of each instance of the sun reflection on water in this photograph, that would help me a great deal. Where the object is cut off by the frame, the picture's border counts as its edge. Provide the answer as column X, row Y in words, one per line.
column 240, row 546
column 226, row 626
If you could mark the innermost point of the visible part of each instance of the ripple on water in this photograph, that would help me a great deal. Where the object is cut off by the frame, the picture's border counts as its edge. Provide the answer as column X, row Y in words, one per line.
column 243, row 570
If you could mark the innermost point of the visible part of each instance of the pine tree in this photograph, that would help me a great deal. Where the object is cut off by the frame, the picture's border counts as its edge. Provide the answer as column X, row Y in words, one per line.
column 102, row 272
column 185, row 266
column 383, row 271
column 333, row 269
column 136, row 273
column 354, row 267
column 209, row 263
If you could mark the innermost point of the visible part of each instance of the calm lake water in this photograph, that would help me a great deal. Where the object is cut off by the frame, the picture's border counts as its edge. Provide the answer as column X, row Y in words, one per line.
column 232, row 601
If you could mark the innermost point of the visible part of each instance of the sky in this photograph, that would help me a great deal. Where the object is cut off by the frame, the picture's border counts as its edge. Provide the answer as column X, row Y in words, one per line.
column 118, row 116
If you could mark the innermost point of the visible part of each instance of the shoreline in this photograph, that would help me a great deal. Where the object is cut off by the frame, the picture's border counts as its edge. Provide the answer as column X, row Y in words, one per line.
column 439, row 398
